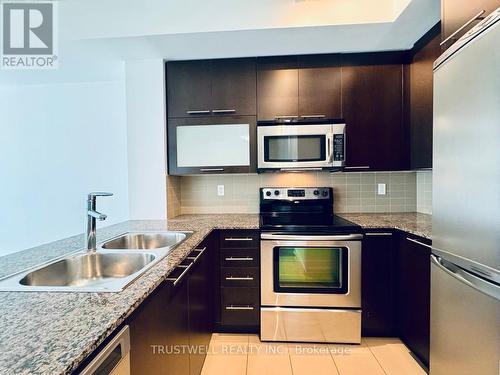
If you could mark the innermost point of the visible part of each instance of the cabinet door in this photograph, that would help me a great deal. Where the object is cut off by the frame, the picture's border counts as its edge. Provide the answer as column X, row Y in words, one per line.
column 413, row 282
column 277, row 88
column 455, row 13
column 421, row 91
column 372, row 100
column 200, row 308
column 377, row 284
column 217, row 144
column 189, row 88
column 319, row 87
column 234, row 85
column 157, row 327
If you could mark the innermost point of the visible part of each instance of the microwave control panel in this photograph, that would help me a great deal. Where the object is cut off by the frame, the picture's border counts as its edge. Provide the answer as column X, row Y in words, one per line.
column 338, row 147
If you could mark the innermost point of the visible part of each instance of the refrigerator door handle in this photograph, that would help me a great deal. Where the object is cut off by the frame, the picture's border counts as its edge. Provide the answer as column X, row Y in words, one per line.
column 467, row 278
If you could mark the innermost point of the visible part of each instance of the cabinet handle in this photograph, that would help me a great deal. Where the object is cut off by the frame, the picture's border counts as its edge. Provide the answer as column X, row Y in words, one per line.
column 243, row 259
column 238, row 239
column 223, row 110
column 181, row 276
column 477, row 17
column 211, row 169
column 285, row 117
column 360, row 167
column 378, row 234
column 313, row 116
column 247, row 307
column 201, row 251
column 418, row 242
column 235, row 278
column 201, row 112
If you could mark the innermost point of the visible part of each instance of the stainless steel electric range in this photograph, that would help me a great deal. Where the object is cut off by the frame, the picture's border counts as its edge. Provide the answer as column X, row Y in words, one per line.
column 310, row 268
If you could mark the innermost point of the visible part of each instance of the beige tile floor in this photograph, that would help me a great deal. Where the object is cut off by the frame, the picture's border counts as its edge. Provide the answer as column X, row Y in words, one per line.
column 236, row 354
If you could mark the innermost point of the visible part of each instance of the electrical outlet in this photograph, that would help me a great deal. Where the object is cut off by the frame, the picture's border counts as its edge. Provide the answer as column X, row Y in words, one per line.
column 381, row 189
column 220, row 190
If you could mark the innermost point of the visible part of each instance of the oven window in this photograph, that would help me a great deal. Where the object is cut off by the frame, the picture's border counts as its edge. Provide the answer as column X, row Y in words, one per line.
column 310, row 269
column 285, row 148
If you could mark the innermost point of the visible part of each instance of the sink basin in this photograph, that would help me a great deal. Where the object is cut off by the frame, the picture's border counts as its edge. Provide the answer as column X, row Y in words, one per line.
column 145, row 241
column 85, row 270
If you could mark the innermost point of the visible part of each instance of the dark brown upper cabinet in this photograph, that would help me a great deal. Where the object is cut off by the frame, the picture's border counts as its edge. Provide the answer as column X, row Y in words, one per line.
column 189, row 88
column 421, row 93
column 320, row 87
column 234, row 87
column 277, row 88
column 372, row 103
column 457, row 13
column 300, row 87
column 211, row 87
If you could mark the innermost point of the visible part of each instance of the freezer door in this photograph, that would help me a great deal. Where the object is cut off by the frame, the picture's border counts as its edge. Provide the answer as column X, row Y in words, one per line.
column 465, row 328
column 466, row 166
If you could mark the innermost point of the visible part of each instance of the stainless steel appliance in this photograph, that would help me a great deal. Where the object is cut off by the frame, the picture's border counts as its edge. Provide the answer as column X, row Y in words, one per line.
column 310, row 268
column 301, row 145
column 114, row 358
column 465, row 264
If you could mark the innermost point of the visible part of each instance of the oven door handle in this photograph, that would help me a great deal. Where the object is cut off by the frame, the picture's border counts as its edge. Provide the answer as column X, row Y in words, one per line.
column 294, row 237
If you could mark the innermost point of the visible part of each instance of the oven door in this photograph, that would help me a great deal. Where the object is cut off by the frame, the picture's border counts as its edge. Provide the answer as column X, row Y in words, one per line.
column 300, row 146
column 311, row 271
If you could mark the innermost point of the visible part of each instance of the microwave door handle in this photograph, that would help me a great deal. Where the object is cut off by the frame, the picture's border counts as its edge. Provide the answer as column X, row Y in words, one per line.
column 330, row 148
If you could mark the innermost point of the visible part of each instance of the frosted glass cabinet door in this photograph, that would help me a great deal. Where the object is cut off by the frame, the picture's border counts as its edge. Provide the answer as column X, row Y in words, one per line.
column 213, row 145
column 206, row 145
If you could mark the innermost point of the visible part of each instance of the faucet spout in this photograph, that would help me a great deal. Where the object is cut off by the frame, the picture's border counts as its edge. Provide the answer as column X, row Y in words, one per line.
column 92, row 216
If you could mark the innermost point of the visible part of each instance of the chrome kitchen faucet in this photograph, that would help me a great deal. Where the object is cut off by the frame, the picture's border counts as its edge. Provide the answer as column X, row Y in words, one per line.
column 92, row 215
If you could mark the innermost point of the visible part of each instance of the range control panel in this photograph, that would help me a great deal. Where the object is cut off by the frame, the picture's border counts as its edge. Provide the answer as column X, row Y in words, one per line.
column 295, row 193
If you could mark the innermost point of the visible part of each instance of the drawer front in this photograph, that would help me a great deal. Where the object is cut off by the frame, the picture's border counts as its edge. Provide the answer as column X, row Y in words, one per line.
column 240, row 306
column 239, row 239
column 240, row 277
column 246, row 257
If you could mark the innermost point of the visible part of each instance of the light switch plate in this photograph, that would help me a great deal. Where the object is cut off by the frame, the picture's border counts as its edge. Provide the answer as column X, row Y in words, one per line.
column 220, row 190
column 381, row 189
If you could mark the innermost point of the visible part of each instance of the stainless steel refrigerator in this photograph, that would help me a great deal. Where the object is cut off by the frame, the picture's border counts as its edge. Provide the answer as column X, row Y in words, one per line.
column 465, row 265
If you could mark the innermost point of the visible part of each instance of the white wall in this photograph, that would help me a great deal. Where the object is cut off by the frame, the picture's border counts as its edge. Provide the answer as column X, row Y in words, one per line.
column 145, row 92
column 57, row 143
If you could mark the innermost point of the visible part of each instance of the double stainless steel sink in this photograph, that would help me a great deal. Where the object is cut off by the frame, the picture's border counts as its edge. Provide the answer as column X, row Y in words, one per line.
column 110, row 268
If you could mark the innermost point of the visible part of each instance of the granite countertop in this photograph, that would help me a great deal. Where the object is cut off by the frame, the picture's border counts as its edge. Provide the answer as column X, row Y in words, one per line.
column 411, row 222
column 52, row 333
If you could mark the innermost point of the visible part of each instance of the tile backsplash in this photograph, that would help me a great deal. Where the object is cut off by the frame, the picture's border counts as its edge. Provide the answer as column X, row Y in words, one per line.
column 424, row 192
column 353, row 192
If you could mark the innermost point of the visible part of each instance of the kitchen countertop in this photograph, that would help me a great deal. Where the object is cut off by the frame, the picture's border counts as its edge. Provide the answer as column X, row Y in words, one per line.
column 411, row 222
column 52, row 333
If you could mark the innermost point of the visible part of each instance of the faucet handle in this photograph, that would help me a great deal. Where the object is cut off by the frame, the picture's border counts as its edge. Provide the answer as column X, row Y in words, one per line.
column 93, row 195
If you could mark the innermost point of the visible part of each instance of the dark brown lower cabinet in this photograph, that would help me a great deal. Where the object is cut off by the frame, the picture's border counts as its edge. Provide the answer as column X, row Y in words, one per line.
column 171, row 330
column 157, row 328
column 201, row 311
column 413, row 295
column 377, row 284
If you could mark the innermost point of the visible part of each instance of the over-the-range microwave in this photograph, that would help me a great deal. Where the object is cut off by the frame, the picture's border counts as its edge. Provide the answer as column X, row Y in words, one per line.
column 301, row 145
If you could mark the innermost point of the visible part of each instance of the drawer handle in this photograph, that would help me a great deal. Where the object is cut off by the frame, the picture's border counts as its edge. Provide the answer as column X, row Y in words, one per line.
column 242, row 259
column 223, row 110
column 235, row 278
column 477, row 17
column 378, row 234
column 238, row 239
column 202, row 112
column 418, row 242
column 247, row 307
